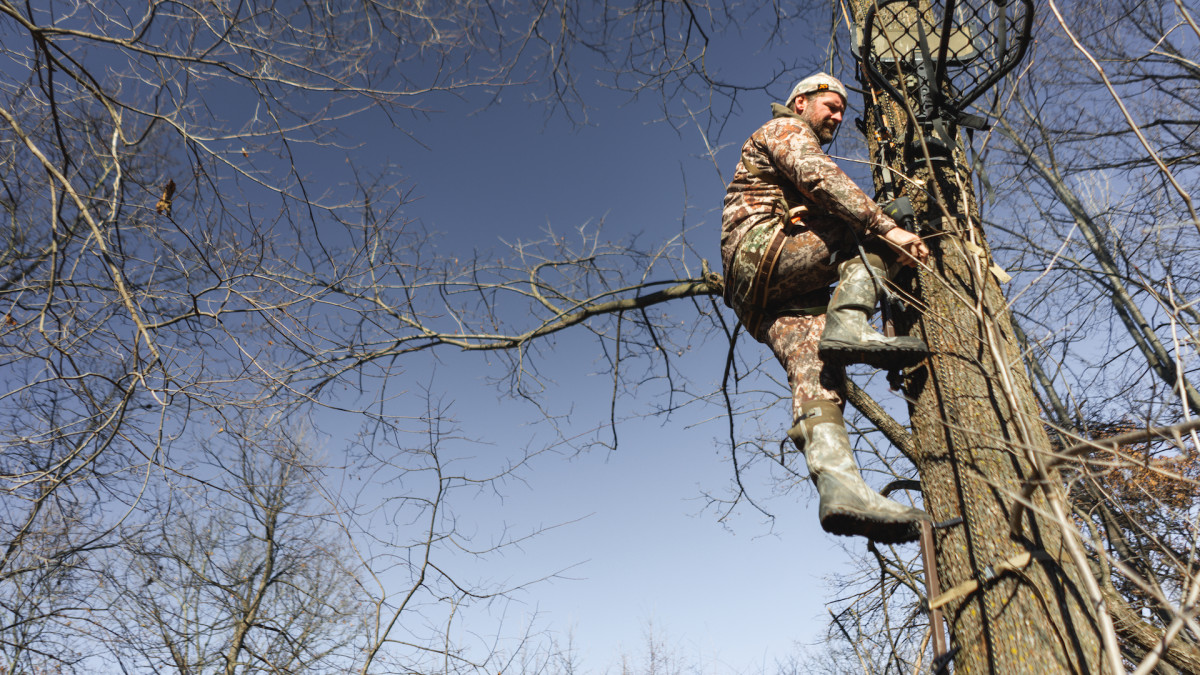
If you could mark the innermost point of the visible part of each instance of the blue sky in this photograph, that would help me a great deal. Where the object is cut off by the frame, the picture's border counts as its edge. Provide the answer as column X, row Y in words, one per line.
column 639, row 546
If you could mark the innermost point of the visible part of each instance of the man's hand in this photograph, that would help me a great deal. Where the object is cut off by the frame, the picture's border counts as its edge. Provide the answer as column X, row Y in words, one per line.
column 910, row 247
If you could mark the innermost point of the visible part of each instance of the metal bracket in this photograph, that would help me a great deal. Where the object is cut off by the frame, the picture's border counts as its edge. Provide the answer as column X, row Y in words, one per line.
column 948, row 523
column 941, row 664
column 941, row 656
column 975, row 122
column 933, row 589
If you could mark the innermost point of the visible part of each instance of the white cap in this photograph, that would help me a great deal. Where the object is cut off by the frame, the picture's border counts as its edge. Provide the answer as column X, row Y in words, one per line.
column 818, row 82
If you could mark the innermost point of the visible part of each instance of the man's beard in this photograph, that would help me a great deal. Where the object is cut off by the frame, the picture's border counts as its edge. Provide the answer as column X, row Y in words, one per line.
column 824, row 131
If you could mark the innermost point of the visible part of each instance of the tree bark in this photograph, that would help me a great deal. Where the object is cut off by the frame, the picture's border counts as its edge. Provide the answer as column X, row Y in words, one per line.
column 977, row 435
column 971, row 451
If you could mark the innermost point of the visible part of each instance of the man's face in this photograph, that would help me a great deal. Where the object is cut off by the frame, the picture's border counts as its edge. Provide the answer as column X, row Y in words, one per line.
column 823, row 113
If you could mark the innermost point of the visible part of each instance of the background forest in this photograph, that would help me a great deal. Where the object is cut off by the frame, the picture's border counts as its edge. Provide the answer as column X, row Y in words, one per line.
column 232, row 336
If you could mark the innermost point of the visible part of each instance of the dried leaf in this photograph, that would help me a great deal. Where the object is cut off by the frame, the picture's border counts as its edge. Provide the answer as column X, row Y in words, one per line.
column 163, row 207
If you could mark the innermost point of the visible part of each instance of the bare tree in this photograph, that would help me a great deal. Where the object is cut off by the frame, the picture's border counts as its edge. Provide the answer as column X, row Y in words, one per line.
column 249, row 577
column 169, row 266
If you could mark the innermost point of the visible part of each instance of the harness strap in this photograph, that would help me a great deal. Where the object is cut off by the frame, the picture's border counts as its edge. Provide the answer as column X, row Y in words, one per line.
column 762, row 281
column 755, row 306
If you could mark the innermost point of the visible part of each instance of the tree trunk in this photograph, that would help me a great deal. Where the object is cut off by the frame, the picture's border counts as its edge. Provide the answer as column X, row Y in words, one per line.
column 978, row 437
column 973, row 431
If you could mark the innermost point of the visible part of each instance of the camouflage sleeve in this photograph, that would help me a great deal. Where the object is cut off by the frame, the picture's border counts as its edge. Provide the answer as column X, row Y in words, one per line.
column 795, row 151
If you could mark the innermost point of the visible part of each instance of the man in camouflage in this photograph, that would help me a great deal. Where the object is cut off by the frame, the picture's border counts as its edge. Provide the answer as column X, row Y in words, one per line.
column 792, row 224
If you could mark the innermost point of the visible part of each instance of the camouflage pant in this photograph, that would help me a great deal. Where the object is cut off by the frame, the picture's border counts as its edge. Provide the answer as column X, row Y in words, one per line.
column 793, row 338
column 799, row 280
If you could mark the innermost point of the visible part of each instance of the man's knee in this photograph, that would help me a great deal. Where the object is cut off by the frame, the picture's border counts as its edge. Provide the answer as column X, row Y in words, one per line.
column 882, row 257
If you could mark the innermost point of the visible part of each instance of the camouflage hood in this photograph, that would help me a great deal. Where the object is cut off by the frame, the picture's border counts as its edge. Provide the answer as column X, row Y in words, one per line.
column 779, row 110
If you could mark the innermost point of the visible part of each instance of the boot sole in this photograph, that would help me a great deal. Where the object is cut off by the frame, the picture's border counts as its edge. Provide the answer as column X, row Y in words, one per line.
column 849, row 524
column 884, row 358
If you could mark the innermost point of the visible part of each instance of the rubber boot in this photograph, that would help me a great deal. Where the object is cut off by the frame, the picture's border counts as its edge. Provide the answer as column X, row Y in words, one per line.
column 848, row 505
column 849, row 337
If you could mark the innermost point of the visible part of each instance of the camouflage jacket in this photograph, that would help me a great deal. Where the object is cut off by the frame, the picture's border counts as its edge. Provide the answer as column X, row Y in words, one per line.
column 796, row 175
